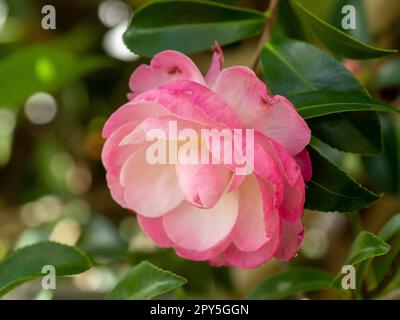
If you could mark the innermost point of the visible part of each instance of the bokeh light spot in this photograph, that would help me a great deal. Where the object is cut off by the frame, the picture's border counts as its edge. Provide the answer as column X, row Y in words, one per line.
column 113, row 12
column 45, row 70
column 41, row 108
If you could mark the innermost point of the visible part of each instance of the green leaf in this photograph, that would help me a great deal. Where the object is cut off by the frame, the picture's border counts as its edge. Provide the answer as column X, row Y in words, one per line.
column 383, row 171
column 292, row 67
column 287, row 23
column 365, row 247
column 145, row 281
column 335, row 39
column 26, row 263
column 355, row 132
column 307, row 67
column 321, row 103
column 331, row 189
column 390, row 228
column 41, row 68
column 291, row 282
column 361, row 32
column 189, row 26
column 391, row 233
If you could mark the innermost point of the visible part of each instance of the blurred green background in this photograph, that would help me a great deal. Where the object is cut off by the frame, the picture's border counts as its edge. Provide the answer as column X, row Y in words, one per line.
column 57, row 88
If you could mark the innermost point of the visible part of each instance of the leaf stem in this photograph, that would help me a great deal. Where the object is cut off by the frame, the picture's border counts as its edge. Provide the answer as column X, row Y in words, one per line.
column 272, row 11
column 386, row 280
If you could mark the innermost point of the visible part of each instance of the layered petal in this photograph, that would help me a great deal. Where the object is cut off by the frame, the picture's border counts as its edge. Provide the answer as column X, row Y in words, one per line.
column 203, row 184
column 272, row 222
column 274, row 116
column 203, row 255
column 150, row 190
column 244, row 92
column 165, row 67
column 196, row 229
column 154, row 229
column 291, row 239
column 132, row 112
column 281, row 122
column 217, row 62
column 192, row 101
column 114, row 156
column 304, row 162
column 292, row 204
column 249, row 233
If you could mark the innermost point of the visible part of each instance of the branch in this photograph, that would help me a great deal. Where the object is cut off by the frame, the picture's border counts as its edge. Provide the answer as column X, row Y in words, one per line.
column 272, row 11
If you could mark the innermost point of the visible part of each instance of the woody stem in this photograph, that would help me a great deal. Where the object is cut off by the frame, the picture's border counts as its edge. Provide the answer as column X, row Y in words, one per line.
column 272, row 11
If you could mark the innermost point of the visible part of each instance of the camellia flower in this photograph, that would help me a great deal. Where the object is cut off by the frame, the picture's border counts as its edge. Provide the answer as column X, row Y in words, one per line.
column 207, row 211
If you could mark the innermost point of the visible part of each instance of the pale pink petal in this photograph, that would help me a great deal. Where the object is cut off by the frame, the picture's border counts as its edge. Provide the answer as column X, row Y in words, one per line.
column 161, row 127
column 267, row 168
column 292, row 237
column 150, row 190
column 244, row 92
column 292, row 206
column 131, row 112
column 282, row 123
column 226, row 149
column 293, row 184
column 217, row 64
column 235, row 182
column 249, row 233
column 154, row 229
column 304, row 162
column 203, row 184
column 113, row 157
column 203, row 255
column 196, row 229
column 274, row 116
column 272, row 223
column 192, row 101
column 165, row 67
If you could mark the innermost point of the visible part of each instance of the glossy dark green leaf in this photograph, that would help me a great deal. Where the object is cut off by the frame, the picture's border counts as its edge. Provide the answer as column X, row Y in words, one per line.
column 355, row 132
column 41, row 68
column 145, row 281
column 335, row 39
column 321, row 103
column 26, row 263
column 331, row 189
column 288, row 24
column 291, row 67
column 291, row 282
column 383, row 171
column 189, row 26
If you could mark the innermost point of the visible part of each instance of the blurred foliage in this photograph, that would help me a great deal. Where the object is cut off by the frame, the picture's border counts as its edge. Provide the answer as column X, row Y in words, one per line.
column 52, row 184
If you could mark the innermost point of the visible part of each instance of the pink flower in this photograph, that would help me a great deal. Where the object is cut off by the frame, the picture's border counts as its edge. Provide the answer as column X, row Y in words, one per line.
column 208, row 211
